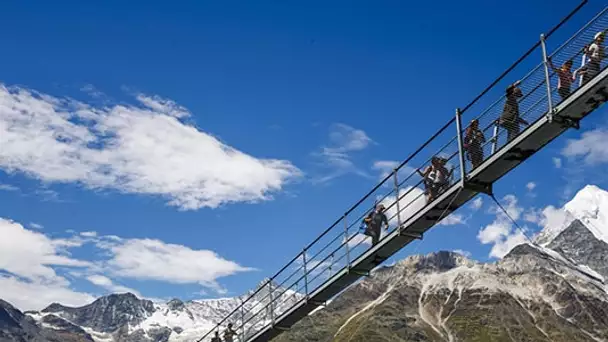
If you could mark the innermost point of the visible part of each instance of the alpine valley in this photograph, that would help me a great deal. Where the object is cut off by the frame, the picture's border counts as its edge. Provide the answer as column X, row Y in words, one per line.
column 552, row 290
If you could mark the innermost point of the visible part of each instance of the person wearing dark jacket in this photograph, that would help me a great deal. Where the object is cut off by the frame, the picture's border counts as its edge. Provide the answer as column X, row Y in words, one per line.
column 374, row 223
column 510, row 119
column 473, row 141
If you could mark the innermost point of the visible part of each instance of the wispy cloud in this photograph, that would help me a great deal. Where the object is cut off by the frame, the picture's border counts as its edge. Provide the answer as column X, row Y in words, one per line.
column 590, row 147
column 477, row 203
column 557, row 162
column 137, row 149
column 464, row 253
column 337, row 157
column 8, row 187
column 502, row 233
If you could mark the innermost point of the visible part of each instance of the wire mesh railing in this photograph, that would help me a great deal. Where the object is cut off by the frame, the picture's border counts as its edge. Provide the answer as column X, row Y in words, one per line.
column 498, row 116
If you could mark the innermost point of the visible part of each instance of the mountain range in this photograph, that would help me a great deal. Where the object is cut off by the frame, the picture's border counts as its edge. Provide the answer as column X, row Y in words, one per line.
column 552, row 290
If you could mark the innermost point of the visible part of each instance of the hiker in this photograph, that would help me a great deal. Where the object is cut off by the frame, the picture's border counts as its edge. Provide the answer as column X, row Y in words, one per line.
column 229, row 333
column 435, row 178
column 595, row 53
column 565, row 77
column 216, row 337
column 510, row 119
column 473, row 141
column 374, row 221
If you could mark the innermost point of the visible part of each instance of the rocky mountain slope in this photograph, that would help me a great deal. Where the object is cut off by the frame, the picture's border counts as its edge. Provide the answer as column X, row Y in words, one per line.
column 553, row 291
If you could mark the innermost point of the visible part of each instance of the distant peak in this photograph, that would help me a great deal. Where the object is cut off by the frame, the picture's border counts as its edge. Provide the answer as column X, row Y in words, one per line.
column 437, row 261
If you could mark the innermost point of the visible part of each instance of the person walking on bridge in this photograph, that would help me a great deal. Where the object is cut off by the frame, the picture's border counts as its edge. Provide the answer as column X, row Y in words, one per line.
column 595, row 53
column 510, row 119
column 435, row 177
column 473, row 141
column 374, row 223
column 565, row 78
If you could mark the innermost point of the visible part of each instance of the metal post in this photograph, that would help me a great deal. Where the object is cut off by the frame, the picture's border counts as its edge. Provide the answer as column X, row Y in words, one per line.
column 242, row 320
column 495, row 137
column 397, row 198
column 460, row 147
column 547, row 78
column 583, row 61
column 305, row 273
column 346, row 239
column 331, row 265
column 271, row 303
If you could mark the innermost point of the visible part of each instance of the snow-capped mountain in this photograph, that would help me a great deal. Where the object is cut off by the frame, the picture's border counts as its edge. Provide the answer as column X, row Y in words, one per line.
column 589, row 205
column 553, row 291
column 126, row 318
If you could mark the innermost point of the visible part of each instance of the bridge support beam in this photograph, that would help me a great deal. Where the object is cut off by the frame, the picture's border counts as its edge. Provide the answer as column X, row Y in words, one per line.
column 547, row 78
column 463, row 171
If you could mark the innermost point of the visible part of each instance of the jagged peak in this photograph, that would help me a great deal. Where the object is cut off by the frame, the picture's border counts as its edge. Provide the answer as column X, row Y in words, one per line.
column 436, row 261
column 589, row 205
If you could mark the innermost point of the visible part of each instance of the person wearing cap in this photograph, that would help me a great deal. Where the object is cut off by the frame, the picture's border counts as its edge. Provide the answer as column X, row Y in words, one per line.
column 595, row 53
column 473, row 141
column 510, row 119
column 374, row 223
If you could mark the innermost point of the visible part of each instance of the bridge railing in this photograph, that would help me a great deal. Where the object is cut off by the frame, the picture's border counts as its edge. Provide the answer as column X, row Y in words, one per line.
column 403, row 192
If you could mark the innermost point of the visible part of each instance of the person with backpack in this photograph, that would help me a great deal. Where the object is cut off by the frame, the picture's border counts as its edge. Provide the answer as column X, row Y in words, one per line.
column 374, row 221
column 510, row 119
column 473, row 141
column 229, row 333
column 435, row 177
column 216, row 337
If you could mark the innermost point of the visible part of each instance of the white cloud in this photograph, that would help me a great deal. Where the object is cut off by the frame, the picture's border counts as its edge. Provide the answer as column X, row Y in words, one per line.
column 501, row 232
column 132, row 149
column 553, row 217
column 557, row 162
column 590, row 146
column 337, row 157
column 412, row 201
column 147, row 259
column 464, row 253
column 511, row 207
column 30, row 260
column 385, row 167
column 30, row 255
column 27, row 295
column 533, row 216
column 8, row 187
column 108, row 284
column 36, row 225
column 452, row 220
column 531, row 186
column 477, row 203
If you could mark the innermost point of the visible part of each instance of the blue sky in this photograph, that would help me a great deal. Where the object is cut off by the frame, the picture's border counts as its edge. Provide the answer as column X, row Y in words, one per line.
column 196, row 135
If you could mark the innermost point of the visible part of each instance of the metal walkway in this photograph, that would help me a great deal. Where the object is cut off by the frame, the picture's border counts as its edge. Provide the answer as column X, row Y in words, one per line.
column 341, row 255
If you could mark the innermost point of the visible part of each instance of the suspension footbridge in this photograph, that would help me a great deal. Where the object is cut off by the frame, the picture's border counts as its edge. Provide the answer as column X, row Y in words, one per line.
column 341, row 255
